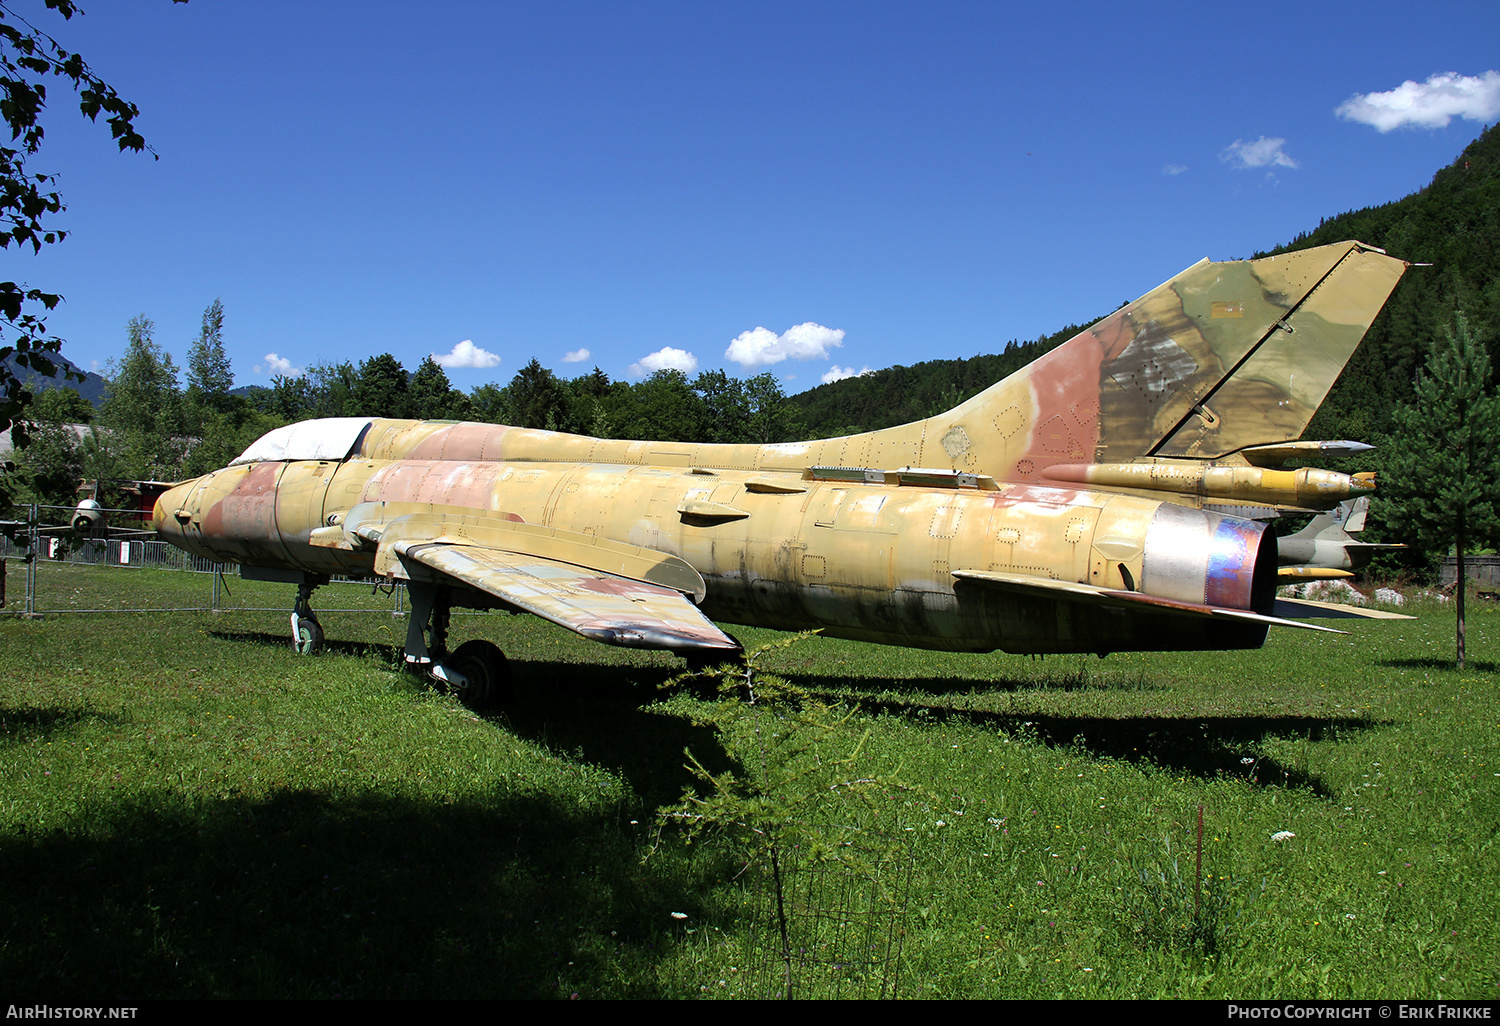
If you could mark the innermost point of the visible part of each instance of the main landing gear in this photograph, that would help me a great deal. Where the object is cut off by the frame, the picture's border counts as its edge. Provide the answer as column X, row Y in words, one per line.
column 477, row 671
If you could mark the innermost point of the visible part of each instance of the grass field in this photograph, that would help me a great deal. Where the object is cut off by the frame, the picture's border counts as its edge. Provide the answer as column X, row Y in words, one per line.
column 189, row 809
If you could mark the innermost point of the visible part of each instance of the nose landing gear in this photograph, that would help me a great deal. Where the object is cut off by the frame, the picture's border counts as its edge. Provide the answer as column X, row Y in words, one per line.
column 307, row 632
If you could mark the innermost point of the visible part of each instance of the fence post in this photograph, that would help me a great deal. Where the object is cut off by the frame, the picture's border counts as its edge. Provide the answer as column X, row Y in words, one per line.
column 218, row 575
column 33, row 544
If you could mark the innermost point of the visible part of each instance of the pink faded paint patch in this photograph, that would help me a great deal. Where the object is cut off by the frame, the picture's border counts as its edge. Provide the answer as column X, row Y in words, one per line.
column 464, row 442
column 620, row 586
column 1065, row 389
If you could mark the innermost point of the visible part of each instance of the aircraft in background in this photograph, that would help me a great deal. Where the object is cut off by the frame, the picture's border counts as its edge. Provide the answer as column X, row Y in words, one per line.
column 1072, row 507
column 91, row 527
column 1326, row 548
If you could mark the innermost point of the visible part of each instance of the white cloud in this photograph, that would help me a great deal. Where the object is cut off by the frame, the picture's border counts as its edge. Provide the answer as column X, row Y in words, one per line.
column 666, row 358
column 1259, row 153
column 762, row 347
column 1430, row 104
column 467, row 354
column 749, row 346
column 576, row 356
column 275, row 366
column 1174, row 169
column 837, row 373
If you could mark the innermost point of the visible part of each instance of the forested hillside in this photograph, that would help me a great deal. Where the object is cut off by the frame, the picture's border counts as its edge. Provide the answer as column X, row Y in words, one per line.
column 91, row 387
column 899, row 395
column 1453, row 224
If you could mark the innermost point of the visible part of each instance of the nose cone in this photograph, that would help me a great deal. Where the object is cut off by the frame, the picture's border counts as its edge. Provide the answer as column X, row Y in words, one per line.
column 164, row 515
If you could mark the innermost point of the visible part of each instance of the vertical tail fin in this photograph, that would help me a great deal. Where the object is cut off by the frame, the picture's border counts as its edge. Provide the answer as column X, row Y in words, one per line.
column 1220, row 357
column 1338, row 524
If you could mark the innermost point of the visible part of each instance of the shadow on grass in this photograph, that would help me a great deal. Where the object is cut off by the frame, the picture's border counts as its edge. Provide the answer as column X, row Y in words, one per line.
column 1068, row 681
column 1429, row 663
column 1205, row 747
column 309, row 895
column 595, row 714
column 620, row 734
column 1200, row 746
column 602, row 717
column 387, row 653
column 21, row 725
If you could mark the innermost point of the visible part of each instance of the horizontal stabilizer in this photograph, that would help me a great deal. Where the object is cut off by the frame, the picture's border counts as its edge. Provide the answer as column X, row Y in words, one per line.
column 1332, row 611
column 1091, row 595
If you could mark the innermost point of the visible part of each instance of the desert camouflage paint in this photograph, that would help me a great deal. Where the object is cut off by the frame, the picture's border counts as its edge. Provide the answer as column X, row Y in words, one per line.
column 1061, row 510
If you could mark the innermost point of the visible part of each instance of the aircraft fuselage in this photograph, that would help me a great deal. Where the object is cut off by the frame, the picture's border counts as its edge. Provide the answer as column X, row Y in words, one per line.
column 1062, row 509
column 858, row 559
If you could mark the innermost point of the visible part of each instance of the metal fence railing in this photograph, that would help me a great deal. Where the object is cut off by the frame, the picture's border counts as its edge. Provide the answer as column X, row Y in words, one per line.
column 118, row 552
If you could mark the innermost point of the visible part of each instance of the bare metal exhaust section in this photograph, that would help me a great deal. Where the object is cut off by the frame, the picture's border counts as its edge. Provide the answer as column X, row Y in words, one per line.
column 1209, row 559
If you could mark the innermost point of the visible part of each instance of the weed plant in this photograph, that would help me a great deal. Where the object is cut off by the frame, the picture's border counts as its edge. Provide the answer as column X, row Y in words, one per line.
column 816, row 840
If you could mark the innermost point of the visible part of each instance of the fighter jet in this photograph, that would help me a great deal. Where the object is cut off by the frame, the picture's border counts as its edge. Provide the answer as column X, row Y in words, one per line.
column 1067, row 508
column 1326, row 547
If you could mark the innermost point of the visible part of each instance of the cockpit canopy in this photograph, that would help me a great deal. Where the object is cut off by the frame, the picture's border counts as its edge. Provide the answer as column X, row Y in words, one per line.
column 331, row 438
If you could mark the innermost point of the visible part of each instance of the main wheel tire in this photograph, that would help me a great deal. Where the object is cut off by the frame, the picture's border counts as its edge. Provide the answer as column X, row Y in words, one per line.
column 309, row 637
column 487, row 671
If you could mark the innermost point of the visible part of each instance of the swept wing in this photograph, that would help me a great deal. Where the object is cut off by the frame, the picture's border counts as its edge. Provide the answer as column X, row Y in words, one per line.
column 599, row 606
column 605, row 591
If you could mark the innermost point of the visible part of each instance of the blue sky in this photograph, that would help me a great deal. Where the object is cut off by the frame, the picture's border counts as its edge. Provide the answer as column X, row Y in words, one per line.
column 802, row 188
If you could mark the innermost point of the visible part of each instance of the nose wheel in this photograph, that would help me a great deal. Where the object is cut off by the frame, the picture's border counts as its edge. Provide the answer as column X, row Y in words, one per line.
column 307, row 632
column 308, row 636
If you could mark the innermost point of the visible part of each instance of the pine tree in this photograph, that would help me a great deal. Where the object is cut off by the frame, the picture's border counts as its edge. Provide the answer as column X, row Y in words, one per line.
column 208, row 373
column 1443, row 473
column 433, row 396
column 536, row 397
column 381, row 389
column 143, row 408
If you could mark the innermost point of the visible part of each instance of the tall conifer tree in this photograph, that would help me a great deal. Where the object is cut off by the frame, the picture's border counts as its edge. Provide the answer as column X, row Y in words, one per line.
column 1443, row 474
column 208, row 373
